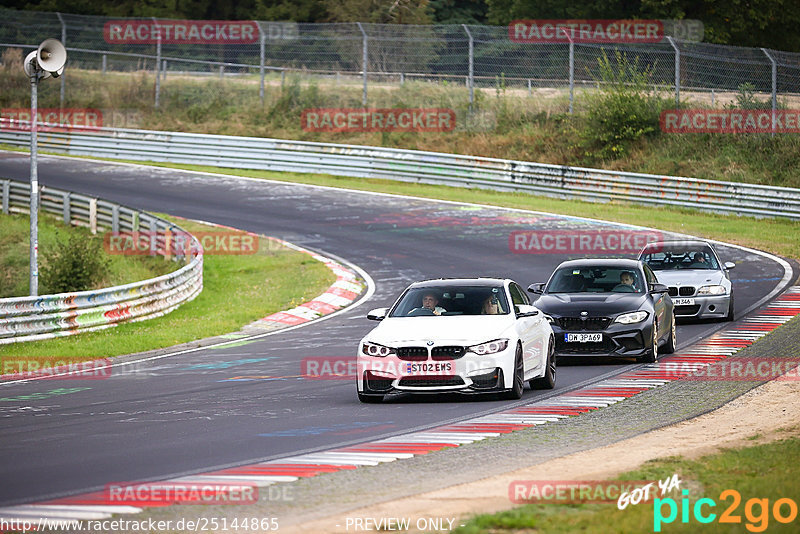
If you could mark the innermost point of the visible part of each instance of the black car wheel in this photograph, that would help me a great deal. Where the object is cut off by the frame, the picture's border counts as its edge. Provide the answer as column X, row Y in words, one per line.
column 729, row 317
column 652, row 354
column 548, row 381
column 519, row 378
column 672, row 340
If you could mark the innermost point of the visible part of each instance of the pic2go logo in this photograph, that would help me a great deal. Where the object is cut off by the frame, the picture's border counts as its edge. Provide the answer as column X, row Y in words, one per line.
column 756, row 511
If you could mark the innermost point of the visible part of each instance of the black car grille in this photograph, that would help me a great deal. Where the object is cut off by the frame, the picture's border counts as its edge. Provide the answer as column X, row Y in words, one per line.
column 447, row 352
column 687, row 310
column 683, row 291
column 373, row 382
column 602, row 347
column 587, row 323
column 431, row 381
column 412, row 354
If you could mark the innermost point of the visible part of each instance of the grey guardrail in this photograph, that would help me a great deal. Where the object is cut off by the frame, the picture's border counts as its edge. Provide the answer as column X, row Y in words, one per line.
column 417, row 166
column 48, row 316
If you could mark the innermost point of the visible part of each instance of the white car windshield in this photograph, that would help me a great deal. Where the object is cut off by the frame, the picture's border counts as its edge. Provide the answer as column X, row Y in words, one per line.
column 595, row 280
column 452, row 300
column 666, row 259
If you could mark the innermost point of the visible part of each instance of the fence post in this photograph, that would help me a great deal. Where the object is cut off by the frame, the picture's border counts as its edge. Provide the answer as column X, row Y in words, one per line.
column 158, row 61
column 221, row 71
column 677, row 71
column 471, row 65
column 66, row 208
column 364, row 52
column 6, row 192
column 262, row 56
column 64, row 42
column 105, row 61
column 774, row 87
column 571, row 69
column 93, row 215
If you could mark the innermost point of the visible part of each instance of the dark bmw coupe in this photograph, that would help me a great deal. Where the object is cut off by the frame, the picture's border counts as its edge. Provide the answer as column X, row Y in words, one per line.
column 608, row 307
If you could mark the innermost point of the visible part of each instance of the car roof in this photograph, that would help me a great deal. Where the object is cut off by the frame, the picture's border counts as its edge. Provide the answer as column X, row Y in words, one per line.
column 678, row 244
column 455, row 282
column 601, row 262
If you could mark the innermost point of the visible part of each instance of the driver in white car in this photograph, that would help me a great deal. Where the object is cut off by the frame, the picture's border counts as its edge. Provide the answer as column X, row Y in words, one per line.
column 431, row 301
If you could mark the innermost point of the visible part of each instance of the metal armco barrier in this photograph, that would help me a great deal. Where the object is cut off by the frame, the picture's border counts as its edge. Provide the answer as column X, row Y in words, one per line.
column 48, row 316
column 416, row 166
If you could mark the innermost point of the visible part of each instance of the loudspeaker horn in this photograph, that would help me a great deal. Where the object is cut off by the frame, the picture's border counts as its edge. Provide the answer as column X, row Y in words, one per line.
column 52, row 56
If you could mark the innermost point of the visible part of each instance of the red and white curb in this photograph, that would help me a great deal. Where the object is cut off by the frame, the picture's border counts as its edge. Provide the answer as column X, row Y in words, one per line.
column 341, row 293
column 715, row 348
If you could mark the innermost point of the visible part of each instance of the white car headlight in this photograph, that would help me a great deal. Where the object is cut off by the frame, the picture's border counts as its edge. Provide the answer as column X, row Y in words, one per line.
column 711, row 290
column 490, row 347
column 630, row 318
column 379, row 351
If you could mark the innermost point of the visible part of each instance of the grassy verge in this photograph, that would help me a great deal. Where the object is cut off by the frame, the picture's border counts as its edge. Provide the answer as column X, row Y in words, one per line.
column 14, row 256
column 778, row 236
column 759, row 472
column 237, row 289
column 503, row 122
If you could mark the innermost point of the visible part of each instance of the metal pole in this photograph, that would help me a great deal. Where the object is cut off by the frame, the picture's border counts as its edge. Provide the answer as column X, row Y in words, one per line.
column 571, row 69
column 677, row 71
column 34, row 234
column 64, row 42
column 261, row 63
column 105, row 60
column 471, row 66
column 774, row 87
column 158, row 62
column 364, row 52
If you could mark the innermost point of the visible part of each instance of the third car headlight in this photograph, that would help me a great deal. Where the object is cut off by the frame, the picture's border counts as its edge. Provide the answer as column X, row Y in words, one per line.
column 711, row 290
column 490, row 347
column 373, row 349
column 630, row 318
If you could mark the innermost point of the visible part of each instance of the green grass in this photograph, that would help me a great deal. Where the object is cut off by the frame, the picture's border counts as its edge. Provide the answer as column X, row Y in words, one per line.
column 14, row 256
column 766, row 471
column 779, row 236
column 237, row 289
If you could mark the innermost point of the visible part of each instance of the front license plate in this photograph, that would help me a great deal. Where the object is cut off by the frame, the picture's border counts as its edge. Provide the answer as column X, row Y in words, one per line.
column 583, row 338
column 683, row 302
column 422, row 369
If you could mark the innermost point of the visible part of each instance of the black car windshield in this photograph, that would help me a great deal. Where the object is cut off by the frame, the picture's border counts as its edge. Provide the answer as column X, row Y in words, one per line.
column 452, row 300
column 595, row 280
column 670, row 258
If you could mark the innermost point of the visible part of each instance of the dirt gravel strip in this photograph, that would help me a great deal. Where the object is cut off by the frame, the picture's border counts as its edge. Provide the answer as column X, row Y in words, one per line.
column 771, row 411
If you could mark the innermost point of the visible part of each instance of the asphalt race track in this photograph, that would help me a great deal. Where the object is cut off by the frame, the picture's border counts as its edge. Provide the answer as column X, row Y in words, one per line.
column 188, row 413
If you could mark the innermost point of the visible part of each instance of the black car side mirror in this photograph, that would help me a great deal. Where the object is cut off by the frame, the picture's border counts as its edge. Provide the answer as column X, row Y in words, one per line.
column 536, row 288
column 658, row 288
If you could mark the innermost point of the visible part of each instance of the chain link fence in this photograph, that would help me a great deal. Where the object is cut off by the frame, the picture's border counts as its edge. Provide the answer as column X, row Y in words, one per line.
column 379, row 54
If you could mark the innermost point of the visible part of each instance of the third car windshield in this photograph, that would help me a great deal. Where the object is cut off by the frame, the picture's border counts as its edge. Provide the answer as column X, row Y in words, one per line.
column 452, row 300
column 595, row 280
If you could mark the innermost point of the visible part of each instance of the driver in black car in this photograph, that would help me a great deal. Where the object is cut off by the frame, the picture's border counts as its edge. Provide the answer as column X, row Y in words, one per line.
column 626, row 280
column 431, row 301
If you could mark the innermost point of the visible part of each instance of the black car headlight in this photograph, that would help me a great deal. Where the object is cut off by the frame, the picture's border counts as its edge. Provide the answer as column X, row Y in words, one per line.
column 379, row 351
column 632, row 317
